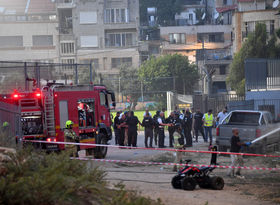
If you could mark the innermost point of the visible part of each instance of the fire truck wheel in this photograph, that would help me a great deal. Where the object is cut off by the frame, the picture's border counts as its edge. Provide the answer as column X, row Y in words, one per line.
column 100, row 152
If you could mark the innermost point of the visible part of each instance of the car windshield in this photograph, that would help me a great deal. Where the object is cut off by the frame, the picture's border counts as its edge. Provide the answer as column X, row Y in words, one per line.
column 248, row 118
column 32, row 125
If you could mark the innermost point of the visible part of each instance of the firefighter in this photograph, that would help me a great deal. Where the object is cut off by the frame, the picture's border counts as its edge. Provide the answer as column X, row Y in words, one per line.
column 70, row 136
column 148, row 123
column 6, row 134
column 178, row 144
column 208, row 125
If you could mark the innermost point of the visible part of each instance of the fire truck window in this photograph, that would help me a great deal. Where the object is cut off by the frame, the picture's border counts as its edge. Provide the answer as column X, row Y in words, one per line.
column 103, row 99
column 86, row 114
column 32, row 125
column 63, row 113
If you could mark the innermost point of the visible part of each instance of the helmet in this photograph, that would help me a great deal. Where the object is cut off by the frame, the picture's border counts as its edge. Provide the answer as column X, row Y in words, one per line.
column 68, row 124
column 6, row 124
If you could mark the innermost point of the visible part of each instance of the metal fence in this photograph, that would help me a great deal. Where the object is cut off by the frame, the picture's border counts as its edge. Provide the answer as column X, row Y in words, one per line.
column 11, row 114
column 27, row 75
column 262, row 74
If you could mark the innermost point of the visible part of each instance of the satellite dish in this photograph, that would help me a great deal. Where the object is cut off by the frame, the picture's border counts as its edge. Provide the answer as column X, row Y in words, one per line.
column 216, row 15
column 275, row 4
column 203, row 16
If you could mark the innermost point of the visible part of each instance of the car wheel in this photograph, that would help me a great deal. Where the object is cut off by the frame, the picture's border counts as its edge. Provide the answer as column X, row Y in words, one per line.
column 176, row 182
column 217, row 183
column 188, row 183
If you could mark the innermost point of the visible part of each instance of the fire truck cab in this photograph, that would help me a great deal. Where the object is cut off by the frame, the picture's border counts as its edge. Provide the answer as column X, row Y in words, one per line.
column 45, row 112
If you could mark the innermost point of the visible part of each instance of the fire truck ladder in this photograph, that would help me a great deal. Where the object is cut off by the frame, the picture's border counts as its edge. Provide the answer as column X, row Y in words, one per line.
column 49, row 114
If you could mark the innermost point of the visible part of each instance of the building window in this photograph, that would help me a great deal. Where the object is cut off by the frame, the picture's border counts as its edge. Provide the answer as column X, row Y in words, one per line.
column 89, row 41
column 177, row 38
column 272, row 27
column 67, row 48
column 120, row 39
column 116, row 16
column 222, row 70
column 88, row 17
column 225, row 2
column 216, row 37
column 69, row 61
column 11, row 41
column 117, row 62
column 42, row 40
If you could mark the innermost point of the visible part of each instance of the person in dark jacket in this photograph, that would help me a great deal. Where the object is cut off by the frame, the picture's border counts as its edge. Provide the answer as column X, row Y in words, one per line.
column 171, row 129
column 116, row 129
column 122, row 127
column 156, row 126
column 187, row 124
column 148, row 124
column 198, row 125
column 132, row 122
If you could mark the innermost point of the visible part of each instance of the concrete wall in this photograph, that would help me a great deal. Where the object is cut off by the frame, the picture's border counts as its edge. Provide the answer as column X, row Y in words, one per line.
column 28, row 52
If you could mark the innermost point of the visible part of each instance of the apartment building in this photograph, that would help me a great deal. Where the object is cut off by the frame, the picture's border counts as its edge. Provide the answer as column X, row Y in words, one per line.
column 101, row 32
column 28, row 31
column 251, row 12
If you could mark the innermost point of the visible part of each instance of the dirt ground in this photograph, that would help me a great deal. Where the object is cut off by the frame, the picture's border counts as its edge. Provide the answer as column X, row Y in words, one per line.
column 258, row 187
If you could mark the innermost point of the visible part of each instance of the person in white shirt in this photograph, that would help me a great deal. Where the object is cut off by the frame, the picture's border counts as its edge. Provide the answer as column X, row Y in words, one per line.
column 221, row 116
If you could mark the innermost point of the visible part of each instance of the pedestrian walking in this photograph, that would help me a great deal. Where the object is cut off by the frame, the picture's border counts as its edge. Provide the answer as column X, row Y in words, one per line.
column 236, row 160
column 156, row 126
column 198, row 125
column 148, row 124
column 161, row 136
column 178, row 145
column 208, row 119
column 171, row 129
column 117, row 130
column 221, row 116
column 187, row 125
column 132, row 122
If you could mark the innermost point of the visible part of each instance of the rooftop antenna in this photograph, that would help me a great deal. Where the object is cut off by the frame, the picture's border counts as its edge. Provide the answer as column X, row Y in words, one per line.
column 275, row 4
column 203, row 16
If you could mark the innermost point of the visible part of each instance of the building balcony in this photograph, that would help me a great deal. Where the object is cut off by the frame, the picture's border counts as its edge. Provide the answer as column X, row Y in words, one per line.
column 65, row 4
column 119, row 26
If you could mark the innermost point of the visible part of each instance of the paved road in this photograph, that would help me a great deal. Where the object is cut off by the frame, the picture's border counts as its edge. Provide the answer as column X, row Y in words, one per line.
column 130, row 154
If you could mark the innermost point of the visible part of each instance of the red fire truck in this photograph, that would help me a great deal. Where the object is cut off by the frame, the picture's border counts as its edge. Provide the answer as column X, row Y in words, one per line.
column 44, row 113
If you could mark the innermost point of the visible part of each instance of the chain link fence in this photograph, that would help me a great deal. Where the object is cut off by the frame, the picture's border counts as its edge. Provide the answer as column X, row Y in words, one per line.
column 10, row 124
column 25, row 76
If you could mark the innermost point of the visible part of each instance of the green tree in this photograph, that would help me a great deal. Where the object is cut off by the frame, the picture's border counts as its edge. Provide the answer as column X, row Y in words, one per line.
column 130, row 85
column 258, row 45
column 163, row 73
column 166, row 10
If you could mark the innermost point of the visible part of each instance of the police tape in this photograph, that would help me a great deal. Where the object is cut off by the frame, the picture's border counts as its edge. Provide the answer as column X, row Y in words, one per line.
column 173, row 164
column 146, row 148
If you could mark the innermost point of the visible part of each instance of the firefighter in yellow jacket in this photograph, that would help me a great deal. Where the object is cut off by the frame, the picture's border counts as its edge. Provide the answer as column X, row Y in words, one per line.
column 70, row 136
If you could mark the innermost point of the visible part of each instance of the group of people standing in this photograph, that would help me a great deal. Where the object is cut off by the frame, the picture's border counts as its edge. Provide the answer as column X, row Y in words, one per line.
column 125, row 127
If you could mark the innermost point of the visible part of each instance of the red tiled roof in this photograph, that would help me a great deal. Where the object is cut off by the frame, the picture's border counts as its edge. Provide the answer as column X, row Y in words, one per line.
column 226, row 8
column 41, row 6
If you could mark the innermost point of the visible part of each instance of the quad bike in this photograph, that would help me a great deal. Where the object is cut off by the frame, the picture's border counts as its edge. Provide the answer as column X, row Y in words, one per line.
column 188, row 177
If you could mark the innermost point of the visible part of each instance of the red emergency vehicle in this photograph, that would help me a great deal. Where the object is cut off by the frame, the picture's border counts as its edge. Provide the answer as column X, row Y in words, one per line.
column 44, row 113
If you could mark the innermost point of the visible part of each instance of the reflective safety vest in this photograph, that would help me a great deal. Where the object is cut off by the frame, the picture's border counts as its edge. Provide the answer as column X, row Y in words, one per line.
column 208, row 120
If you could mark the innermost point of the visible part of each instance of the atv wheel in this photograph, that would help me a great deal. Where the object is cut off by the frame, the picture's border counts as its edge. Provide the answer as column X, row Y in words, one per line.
column 217, row 183
column 100, row 152
column 205, row 184
column 188, row 183
column 176, row 182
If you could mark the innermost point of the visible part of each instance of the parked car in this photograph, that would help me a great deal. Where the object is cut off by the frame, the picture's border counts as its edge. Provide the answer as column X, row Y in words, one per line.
column 251, row 125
